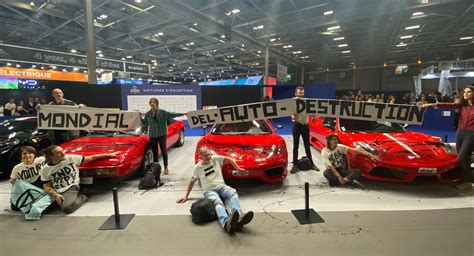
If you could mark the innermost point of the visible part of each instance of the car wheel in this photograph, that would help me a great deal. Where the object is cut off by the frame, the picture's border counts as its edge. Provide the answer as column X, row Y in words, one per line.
column 180, row 141
column 147, row 159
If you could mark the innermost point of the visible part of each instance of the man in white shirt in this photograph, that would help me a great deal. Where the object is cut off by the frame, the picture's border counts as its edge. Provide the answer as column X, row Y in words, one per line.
column 60, row 177
column 335, row 159
column 10, row 107
column 209, row 173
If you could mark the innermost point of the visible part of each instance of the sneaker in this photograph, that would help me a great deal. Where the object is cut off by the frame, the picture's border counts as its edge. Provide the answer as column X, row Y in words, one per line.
column 315, row 168
column 465, row 186
column 245, row 219
column 231, row 223
column 294, row 169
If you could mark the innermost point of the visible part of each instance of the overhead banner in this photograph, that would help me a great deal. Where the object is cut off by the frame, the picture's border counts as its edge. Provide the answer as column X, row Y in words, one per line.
column 282, row 73
column 408, row 114
column 47, row 57
column 97, row 119
column 456, row 65
column 39, row 74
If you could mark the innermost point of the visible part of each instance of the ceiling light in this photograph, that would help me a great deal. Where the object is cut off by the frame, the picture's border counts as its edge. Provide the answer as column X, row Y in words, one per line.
column 153, row 60
column 385, row 65
column 222, row 41
column 222, row 36
column 406, row 37
column 32, row 3
column 235, row 11
column 18, row 65
column 129, row 57
column 259, row 51
column 53, row 67
column 75, row 69
column 412, row 27
column 138, row 1
column 401, row 44
column 9, row 64
column 98, row 52
column 155, row 64
column 123, row 58
column 419, row 62
column 160, row 33
column 466, row 38
column 195, row 24
column 334, row 28
column 33, row 66
column 417, row 13
column 101, row 55
column 339, row 38
column 73, row 51
column 346, row 51
column 64, row 70
column 328, row 12
column 258, row 27
column 296, row 52
column 287, row 46
column 273, row 39
column 342, row 45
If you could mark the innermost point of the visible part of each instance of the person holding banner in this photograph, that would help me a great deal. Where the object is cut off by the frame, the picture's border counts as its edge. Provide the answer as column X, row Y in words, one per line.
column 58, row 137
column 155, row 122
column 60, row 176
column 335, row 159
column 464, row 134
column 301, row 128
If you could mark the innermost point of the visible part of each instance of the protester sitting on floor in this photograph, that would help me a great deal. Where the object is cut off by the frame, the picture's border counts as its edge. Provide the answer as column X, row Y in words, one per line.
column 335, row 159
column 60, row 176
column 209, row 173
column 29, row 168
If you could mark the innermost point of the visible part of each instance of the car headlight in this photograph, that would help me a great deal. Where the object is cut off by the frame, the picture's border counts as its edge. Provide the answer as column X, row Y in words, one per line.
column 449, row 148
column 364, row 146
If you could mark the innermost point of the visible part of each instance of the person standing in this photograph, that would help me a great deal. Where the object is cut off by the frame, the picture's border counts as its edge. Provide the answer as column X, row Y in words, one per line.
column 464, row 134
column 300, row 128
column 155, row 122
column 60, row 176
column 10, row 108
column 209, row 173
column 58, row 137
column 30, row 106
column 335, row 160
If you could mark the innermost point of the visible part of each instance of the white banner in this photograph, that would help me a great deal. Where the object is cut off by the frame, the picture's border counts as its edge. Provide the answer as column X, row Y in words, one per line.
column 408, row 114
column 51, row 117
column 282, row 72
column 418, row 89
column 456, row 65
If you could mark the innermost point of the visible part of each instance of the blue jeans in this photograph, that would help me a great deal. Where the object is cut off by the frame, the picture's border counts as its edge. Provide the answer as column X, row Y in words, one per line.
column 218, row 197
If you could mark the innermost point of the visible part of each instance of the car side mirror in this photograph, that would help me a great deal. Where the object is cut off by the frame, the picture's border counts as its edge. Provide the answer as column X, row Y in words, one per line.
column 279, row 126
column 329, row 126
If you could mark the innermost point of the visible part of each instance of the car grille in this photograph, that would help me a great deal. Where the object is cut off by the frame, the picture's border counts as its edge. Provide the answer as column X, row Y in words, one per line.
column 274, row 172
column 388, row 173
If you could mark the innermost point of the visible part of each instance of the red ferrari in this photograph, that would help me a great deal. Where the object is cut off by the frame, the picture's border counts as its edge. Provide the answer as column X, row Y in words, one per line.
column 133, row 145
column 254, row 145
column 405, row 155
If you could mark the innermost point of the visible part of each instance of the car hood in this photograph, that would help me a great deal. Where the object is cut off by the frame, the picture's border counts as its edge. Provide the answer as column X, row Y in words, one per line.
column 404, row 145
column 243, row 140
column 13, row 138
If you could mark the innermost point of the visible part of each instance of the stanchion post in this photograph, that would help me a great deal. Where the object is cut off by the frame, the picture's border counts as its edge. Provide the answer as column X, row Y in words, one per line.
column 306, row 198
column 116, row 205
column 307, row 215
column 116, row 221
column 446, row 138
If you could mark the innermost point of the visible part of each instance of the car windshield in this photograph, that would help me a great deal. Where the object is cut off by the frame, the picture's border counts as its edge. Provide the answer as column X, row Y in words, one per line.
column 351, row 125
column 9, row 126
column 248, row 128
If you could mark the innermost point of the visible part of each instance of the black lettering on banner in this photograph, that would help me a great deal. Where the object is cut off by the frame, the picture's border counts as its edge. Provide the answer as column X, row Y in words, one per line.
column 254, row 108
column 364, row 110
column 194, row 120
column 59, row 123
column 357, row 108
column 71, row 120
column 269, row 109
column 227, row 111
column 380, row 108
column 311, row 106
column 42, row 117
column 98, row 116
column 322, row 108
column 112, row 119
column 121, row 124
column 391, row 111
column 345, row 108
column 201, row 119
column 239, row 115
column 209, row 119
column 403, row 116
column 300, row 106
column 333, row 104
column 416, row 112
column 84, row 120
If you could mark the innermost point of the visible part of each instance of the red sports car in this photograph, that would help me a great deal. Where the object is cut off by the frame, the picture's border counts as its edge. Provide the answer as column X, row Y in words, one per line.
column 254, row 145
column 133, row 145
column 405, row 155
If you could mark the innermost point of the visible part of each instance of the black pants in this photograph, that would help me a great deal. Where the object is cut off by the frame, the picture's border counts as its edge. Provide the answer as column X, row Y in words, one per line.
column 349, row 174
column 464, row 147
column 301, row 130
column 154, row 147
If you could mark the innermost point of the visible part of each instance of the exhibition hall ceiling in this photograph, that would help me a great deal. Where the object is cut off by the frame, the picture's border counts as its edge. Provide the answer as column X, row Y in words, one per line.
column 221, row 38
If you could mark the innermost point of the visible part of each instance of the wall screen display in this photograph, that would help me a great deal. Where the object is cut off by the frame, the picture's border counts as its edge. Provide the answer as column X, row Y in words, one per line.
column 8, row 83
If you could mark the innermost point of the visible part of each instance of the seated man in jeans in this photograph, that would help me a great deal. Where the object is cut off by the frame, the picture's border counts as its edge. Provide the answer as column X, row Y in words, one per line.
column 209, row 173
column 335, row 160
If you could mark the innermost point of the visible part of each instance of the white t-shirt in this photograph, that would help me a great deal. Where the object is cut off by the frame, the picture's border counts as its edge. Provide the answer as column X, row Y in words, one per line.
column 28, row 172
column 10, row 107
column 64, row 174
column 210, row 175
column 336, row 157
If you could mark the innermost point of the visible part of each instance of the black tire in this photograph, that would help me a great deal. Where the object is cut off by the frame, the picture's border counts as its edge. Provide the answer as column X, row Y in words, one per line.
column 181, row 139
column 147, row 158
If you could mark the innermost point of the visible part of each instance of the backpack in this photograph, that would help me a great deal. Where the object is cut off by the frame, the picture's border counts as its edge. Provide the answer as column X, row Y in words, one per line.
column 203, row 211
column 304, row 164
column 151, row 179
